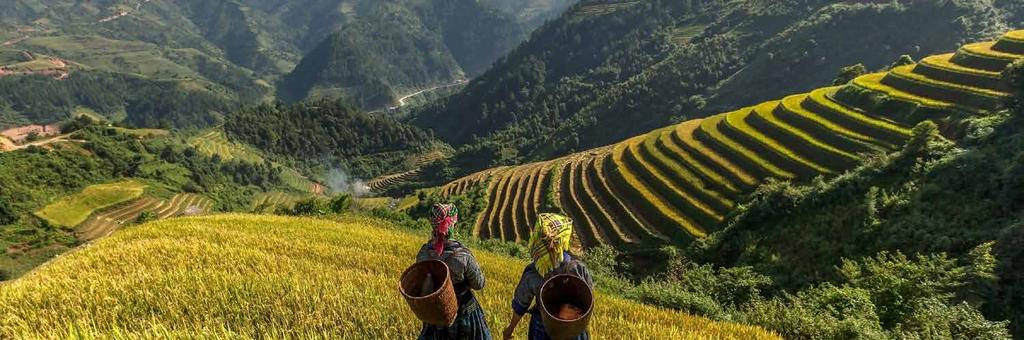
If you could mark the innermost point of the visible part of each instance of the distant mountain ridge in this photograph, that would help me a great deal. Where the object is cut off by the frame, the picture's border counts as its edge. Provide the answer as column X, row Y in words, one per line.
column 237, row 50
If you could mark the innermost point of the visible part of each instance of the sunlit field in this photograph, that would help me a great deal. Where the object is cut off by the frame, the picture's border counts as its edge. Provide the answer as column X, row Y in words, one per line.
column 243, row 276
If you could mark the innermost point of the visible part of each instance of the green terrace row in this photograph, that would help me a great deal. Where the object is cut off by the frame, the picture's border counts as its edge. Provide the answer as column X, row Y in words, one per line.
column 462, row 185
column 382, row 183
column 105, row 222
column 514, row 199
column 680, row 182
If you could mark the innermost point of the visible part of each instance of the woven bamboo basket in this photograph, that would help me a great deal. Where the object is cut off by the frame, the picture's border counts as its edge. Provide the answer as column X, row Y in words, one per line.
column 438, row 306
column 556, row 294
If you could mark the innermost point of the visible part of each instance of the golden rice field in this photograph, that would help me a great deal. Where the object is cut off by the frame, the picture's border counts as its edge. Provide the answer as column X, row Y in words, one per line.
column 71, row 210
column 248, row 276
column 678, row 183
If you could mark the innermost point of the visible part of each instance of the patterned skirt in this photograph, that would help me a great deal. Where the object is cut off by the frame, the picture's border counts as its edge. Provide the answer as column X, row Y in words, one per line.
column 537, row 331
column 470, row 325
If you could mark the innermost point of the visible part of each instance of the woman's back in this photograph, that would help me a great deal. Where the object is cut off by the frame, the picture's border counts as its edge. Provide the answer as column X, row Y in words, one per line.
column 461, row 262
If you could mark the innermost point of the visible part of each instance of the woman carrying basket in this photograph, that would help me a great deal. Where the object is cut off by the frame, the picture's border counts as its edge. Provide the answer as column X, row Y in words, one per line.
column 466, row 277
column 550, row 242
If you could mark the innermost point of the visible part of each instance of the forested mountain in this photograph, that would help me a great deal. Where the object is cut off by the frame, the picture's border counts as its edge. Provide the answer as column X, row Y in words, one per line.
column 608, row 70
column 238, row 50
column 326, row 135
column 395, row 46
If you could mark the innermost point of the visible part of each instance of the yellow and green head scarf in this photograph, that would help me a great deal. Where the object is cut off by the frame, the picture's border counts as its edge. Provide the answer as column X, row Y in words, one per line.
column 550, row 239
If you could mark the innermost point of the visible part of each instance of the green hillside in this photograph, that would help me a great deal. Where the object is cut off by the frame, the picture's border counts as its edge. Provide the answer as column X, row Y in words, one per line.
column 690, row 185
column 296, row 274
column 321, row 136
column 654, row 63
column 86, row 184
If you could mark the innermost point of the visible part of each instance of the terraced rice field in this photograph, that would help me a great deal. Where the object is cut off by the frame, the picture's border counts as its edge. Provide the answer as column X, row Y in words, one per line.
column 273, row 200
column 214, row 142
column 385, row 182
column 382, row 183
column 103, row 223
column 679, row 183
column 72, row 210
column 607, row 7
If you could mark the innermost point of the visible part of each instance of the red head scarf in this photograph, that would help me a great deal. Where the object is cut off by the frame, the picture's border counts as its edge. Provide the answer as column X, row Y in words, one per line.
column 443, row 217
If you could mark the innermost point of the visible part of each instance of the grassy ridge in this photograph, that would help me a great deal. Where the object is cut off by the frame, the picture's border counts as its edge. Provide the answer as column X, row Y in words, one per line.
column 941, row 67
column 668, row 220
column 685, row 137
column 874, row 82
column 822, row 103
column 597, row 196
column 569, row 202
column 745, row 160
column 982, row 56
column 243, row 276
column 73, row 210
column 792, row 112
column 905, row 79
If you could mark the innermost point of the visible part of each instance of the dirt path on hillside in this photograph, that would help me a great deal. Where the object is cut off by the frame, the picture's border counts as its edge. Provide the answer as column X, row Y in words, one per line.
column 55, row 139
column 6, row 144
column 124, row 13
column 15, row 40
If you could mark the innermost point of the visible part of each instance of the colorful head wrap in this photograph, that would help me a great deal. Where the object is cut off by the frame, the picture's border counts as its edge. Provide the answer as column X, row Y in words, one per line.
column 550, row 239
column 443, row 217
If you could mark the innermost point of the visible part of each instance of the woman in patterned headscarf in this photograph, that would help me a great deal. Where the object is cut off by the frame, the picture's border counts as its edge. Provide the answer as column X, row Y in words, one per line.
column 550, row 244
column 466, row 277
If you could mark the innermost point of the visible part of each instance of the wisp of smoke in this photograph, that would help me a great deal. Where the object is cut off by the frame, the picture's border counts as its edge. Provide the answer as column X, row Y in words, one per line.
column 340, row 182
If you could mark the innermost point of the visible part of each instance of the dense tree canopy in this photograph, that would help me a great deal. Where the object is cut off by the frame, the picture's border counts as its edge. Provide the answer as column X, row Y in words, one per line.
column 326, row 135
column 146, row 103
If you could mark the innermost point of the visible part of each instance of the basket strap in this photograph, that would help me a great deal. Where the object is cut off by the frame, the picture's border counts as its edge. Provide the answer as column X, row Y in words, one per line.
column 453, row 253
column 566, row 269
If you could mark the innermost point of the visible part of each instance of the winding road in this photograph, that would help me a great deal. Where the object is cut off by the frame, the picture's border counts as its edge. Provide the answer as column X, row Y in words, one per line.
column 401, row 101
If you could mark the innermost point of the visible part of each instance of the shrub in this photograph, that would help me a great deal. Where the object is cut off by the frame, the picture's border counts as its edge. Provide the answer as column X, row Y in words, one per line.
column 146, row 216
column 676, row 297
column 823, row 312
column 7, row 214
column 313, row 206
column 340, row 203
column 896, row 282
column 933, row 319
column 902, row 61
column 846, row 74
column 1014, row 75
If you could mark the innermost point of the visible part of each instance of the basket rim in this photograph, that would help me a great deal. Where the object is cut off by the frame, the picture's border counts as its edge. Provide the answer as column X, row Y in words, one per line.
column 447, row 279
column 544, row 309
